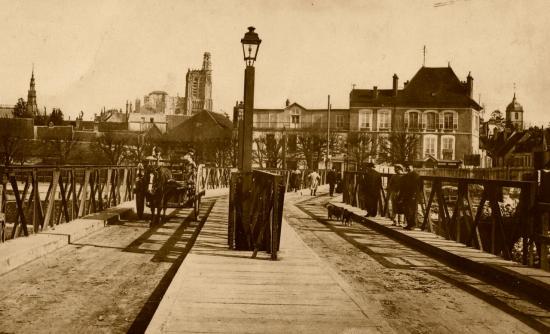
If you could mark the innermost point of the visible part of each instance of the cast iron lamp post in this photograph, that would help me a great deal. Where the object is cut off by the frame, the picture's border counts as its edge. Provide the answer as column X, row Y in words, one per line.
column 251, row 44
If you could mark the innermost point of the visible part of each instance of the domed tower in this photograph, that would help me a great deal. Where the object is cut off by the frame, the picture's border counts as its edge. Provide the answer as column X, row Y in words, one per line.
column 514, row 114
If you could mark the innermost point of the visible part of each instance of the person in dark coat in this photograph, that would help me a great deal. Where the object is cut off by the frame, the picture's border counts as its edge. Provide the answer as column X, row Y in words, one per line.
column 408, row 195
column 395, row 208
column 331, row 180
column 296, row 179
column 373, row 183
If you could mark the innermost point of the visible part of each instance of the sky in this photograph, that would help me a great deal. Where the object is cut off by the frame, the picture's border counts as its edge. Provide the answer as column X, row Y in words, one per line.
column 90, row 54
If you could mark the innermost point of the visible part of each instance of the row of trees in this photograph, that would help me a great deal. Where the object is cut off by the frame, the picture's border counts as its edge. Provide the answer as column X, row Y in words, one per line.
column 311, row 148
column 55, row 117
column 113, row 148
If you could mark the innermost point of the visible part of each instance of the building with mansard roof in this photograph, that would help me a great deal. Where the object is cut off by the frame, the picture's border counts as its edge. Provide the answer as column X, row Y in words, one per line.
column 435, row 105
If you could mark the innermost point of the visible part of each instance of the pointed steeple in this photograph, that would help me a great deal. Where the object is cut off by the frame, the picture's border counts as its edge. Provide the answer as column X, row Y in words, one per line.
column 32, row 107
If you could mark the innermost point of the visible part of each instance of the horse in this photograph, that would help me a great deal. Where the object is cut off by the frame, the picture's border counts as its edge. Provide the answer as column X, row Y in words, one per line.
column 161, row 188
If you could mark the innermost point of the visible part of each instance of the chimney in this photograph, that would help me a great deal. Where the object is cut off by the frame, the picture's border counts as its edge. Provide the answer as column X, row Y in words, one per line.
column 405, row 83
column 287, row 103
column 395, row 84
column 470, row 85
column 375, row 92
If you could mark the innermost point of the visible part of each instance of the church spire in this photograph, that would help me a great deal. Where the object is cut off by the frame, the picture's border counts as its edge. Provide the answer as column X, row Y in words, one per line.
column 32, row 107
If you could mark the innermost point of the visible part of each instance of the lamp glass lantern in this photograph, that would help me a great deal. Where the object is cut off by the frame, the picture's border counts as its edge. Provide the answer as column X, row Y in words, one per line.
column 251, row 45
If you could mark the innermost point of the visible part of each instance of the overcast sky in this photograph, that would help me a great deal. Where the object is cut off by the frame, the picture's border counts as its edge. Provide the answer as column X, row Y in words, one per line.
column 90, row 54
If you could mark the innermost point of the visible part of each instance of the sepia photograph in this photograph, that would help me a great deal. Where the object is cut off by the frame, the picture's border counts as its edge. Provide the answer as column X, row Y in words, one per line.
column 274, row 166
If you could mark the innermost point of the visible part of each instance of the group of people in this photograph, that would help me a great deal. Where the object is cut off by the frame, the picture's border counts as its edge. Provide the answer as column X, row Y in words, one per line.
column 313, row 180
column 402, row 191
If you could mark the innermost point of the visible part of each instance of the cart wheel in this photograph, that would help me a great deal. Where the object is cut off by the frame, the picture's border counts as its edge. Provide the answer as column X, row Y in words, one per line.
column 140, row 204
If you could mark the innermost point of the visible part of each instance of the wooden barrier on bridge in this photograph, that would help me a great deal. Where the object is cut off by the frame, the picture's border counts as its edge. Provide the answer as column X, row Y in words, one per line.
column 543, row 211
column 255, row 212
column 303, row 182
column 41, row 197
column 491, row 215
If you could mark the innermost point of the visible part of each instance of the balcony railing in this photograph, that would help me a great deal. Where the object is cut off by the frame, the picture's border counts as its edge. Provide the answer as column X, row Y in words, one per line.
column 301, row 125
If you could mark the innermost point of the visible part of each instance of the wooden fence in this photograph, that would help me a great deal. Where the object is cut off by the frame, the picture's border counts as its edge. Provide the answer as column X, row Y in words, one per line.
column 493, row 173
column 496, row 216
column 543, row 213
column 33, row 199
column 255, row 212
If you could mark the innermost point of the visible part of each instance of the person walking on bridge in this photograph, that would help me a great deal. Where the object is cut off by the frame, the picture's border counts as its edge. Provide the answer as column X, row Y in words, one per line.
column 331, row 180
column 408, row 195
column 373, row 184
column 314, row 178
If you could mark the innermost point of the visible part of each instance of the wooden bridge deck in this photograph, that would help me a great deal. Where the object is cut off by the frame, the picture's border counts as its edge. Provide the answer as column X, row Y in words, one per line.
column 220, row 290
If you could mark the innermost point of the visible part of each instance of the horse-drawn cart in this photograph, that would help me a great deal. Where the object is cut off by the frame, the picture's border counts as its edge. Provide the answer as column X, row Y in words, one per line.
column 167, row 184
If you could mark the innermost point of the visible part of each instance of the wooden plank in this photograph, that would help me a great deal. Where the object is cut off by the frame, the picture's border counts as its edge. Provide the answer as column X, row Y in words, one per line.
column 275, row 219
column 51, row 198
column 474, row 229
column 20, row 218
column 479, row 212
column 64, row 204
column 83, row 193
column 428, row 208
column 544, row 243
column 108, row 184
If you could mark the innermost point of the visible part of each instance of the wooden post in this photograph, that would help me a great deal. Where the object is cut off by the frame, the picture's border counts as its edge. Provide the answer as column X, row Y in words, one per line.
column 51, row 198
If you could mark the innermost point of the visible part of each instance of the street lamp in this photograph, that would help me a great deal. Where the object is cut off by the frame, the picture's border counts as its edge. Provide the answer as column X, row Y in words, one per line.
column 251, row 45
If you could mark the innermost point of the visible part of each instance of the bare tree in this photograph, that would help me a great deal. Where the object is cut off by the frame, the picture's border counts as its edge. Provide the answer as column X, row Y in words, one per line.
column 113, row 145
column 360, row 147
column 310, row 146
column 61, row 148
column 139, row 146
column 399, row 147
column 14, row 140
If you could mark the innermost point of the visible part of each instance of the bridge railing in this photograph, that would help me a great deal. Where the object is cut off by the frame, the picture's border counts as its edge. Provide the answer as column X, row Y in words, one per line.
column 302, row 183
column 495, row 216
column 543, row 210
column 34, row 199
column 493, row 173
column 255, row 211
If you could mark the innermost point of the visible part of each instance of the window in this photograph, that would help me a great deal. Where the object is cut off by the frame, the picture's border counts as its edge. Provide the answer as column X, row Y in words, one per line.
column 476, row 123
column 340, row 121
column 384, row 119
column 449, row 121
column 431, row 121
column 516, row 116
column 413, row 121
column 295, row 117
column 430, row 145
column 365, row 119
column 447, row 147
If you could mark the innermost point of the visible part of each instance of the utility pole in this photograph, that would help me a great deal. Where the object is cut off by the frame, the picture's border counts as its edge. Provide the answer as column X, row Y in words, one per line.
column 328, row 134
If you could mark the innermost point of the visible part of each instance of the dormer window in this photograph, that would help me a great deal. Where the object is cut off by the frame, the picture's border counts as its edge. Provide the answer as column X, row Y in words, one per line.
column 295, row 117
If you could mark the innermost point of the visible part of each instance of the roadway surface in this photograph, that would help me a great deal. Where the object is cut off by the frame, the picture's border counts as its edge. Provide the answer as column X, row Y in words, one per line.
column 113, row 280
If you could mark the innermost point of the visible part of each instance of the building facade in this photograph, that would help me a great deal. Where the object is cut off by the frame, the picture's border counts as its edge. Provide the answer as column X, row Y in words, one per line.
column 287, row 127
column 198, row 88
column 435, row 105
